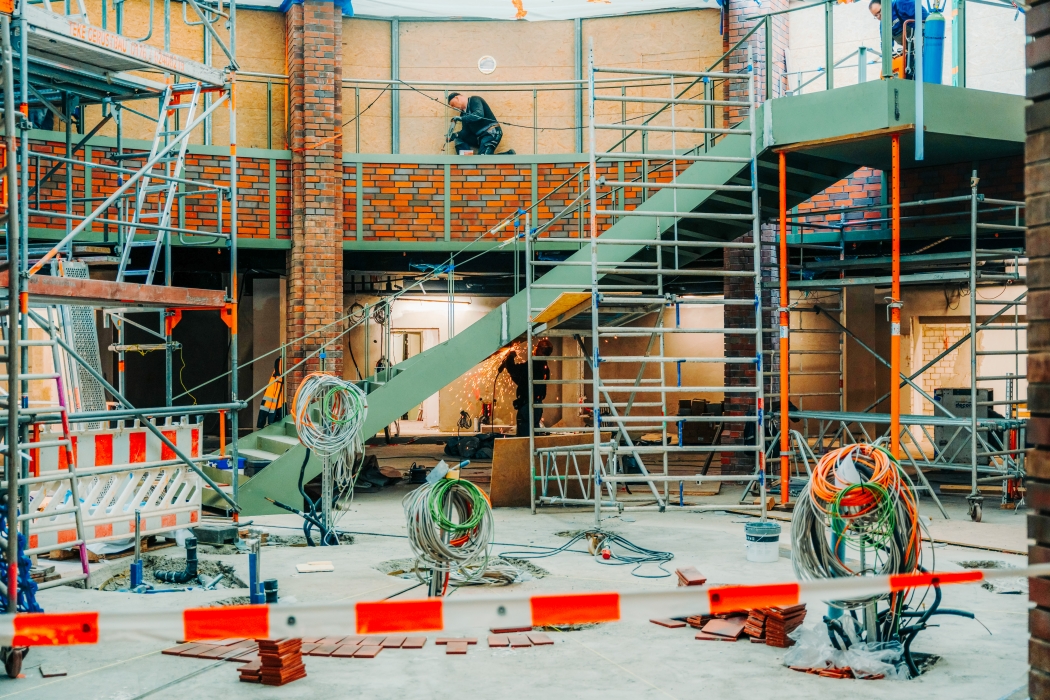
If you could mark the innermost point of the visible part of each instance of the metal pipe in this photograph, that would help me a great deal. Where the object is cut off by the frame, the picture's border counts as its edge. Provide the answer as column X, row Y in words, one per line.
column 395, row 95
column 895, row 310
column 234, row 295
column 11, row 464
column 785, row 330
column 756, row 239
column 974, row 493
column 829, row 45
column 920, row 130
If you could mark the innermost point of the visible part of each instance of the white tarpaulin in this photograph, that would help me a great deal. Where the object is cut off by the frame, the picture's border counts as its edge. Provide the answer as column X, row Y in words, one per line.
column 529, row 10
column 535, row 10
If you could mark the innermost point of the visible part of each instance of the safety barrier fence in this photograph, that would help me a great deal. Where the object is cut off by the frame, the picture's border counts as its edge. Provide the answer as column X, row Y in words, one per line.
column 437, row 614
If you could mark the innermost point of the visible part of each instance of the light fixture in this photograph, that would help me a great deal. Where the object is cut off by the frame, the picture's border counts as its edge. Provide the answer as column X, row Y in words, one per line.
column 486, row 64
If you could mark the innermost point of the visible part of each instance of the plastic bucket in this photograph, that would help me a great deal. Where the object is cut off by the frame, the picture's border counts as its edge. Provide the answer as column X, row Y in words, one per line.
column 763, row 541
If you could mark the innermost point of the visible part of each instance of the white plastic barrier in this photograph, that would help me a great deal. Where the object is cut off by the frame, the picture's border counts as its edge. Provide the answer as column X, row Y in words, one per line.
column 112, row 487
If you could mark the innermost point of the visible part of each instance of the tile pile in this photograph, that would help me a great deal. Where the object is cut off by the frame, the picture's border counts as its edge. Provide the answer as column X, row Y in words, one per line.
column 690, row 576
column 280, row 662
column 727, row 628
column 774, row 624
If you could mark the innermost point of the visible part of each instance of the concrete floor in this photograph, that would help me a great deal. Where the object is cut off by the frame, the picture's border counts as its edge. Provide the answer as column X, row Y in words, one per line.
column 632, row 659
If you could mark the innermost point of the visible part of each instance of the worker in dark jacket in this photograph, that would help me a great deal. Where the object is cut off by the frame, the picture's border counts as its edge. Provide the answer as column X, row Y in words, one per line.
column 519, row 374
column 902, row 11
column 479, row 130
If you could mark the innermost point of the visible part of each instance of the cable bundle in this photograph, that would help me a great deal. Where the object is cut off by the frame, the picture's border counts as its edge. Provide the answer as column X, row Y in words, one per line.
column 339, row 408
column 459, row 545
column 857, row 516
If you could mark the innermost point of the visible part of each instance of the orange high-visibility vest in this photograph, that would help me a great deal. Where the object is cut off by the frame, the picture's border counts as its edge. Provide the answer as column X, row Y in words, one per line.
column 273, row 397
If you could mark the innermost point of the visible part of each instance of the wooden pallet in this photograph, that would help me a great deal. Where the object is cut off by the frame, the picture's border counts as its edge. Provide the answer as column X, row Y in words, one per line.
column 149, row 544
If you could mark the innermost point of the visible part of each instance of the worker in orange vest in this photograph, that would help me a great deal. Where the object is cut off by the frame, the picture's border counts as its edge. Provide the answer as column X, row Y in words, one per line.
column 272, row 408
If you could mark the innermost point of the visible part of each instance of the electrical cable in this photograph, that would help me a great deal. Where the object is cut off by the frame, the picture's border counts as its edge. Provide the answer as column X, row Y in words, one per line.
column 860, row 500
column 601, row 548
column 339, row 408
column 459, row 546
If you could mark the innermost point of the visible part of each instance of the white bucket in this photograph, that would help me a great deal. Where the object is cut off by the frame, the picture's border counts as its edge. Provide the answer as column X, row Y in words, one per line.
column 763, row 541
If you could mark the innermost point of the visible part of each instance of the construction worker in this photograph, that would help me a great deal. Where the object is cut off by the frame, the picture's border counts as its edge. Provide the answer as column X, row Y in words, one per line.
column 479, row 131
column 272, row 408
column 519, row 374
column 901, row 12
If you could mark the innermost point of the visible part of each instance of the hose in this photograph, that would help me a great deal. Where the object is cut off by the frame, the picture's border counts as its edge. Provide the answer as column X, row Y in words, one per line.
column 860, row 500
column 459, row 545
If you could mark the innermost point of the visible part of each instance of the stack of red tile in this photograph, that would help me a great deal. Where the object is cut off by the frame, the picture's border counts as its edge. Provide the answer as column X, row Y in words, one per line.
column 723, row 629
column 280, row 660
column 781, row 621
column 698, row 621
column 755, row 627
column 690, row 576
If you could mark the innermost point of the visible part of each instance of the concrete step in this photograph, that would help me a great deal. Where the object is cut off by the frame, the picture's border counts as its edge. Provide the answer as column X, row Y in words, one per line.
column 276, row 443
column 257, row 455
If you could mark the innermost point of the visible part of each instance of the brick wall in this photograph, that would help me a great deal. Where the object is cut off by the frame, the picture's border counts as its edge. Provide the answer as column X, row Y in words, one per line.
column 935, row 339
column 1037, row 191
column 315, row 282
column 201, row 212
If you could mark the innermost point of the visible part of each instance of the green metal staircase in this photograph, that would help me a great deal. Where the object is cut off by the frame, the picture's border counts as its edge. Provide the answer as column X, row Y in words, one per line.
column 828, row 134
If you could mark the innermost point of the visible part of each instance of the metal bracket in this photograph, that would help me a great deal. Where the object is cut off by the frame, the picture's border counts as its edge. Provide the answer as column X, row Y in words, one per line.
column 892, row 304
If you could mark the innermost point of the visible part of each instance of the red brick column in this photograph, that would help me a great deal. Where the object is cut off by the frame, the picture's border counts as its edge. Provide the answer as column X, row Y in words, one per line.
column 736, row 27
column 740, row 259
column 313, row 40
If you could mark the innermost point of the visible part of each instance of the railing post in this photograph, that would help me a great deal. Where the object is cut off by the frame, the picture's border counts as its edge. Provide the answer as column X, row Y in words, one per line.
column 886, row 30
column 767, row 20
column 395, row 92
column 829, row 44
column 862, row 64
column 959, row 44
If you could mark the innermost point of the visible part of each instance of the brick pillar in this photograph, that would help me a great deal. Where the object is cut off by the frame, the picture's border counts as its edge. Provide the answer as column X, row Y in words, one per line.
column 1037, row 217
column 744, row 346
column 736, row 27
column 738, row 259
column 313, row 42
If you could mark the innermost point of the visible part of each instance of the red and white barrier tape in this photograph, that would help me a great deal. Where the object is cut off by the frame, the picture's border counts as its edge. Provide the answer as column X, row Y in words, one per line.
column 461, row 612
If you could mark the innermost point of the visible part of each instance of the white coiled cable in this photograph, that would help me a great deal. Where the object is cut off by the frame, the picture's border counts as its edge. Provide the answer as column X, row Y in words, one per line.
column 441, row 546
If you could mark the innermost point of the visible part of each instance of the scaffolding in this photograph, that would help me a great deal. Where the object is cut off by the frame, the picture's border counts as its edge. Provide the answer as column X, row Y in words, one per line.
column 625, row 342
column 60, row 63
column 956, row 429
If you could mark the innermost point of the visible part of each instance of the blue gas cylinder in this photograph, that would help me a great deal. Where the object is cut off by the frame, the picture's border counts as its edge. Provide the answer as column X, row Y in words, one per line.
column 933, row 48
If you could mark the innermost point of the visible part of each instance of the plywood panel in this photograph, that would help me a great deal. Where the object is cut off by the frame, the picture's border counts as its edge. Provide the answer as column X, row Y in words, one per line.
column 510, row 467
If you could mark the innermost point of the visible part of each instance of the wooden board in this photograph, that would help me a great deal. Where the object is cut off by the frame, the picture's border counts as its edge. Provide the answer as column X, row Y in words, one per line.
column 510, row 467
column 566, row 301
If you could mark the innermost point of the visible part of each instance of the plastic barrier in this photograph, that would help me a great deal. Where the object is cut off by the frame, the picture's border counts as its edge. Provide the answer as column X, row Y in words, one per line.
column 166, row 491
column 437, row 614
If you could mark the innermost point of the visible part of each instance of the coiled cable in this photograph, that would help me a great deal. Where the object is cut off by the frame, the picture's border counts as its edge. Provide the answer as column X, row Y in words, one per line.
column 858, row 501
column 450, row 529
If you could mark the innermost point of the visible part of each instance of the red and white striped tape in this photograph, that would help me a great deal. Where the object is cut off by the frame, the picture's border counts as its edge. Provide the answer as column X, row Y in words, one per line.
column 461, row 612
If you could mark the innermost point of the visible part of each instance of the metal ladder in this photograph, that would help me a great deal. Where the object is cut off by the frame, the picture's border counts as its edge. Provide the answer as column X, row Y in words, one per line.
column 71, row 491
column 165, row 172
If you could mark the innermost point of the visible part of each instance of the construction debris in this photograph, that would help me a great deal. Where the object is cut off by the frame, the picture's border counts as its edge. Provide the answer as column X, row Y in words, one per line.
column 690, row 576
